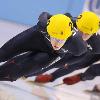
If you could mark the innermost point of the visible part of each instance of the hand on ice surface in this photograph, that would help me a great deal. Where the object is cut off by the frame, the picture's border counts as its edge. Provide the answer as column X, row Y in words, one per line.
column 72, row 79
column 43, row 78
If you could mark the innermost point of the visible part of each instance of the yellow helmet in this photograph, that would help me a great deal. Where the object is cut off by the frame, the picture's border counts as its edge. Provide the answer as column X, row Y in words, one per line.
column 60, row 26
column 88, row 22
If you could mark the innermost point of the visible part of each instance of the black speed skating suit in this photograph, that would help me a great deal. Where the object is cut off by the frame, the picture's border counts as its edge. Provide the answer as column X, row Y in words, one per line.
column 35, row 41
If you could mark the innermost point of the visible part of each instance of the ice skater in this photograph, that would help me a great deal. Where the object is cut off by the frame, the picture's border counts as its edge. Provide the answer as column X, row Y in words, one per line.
column 50, row 39
column 74, row 63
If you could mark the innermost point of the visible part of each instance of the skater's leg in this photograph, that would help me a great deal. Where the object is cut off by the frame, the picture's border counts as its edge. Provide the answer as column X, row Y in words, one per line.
column 9, row 70
column 38, row 64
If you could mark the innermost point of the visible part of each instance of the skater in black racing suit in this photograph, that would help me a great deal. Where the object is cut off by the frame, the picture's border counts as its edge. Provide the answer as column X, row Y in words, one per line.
column 67, row 66
column 36, row 41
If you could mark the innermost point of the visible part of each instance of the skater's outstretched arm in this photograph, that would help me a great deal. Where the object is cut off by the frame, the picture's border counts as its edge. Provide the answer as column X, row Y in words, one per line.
column 89, row 74
column 80, row 62
column 75, row 64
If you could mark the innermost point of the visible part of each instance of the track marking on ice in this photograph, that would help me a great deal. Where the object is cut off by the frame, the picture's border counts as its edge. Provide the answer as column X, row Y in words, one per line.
column 32, row 83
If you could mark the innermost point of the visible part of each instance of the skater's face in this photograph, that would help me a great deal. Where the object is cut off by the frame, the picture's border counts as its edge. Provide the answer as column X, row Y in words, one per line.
column 85, row 36
column 57, row 43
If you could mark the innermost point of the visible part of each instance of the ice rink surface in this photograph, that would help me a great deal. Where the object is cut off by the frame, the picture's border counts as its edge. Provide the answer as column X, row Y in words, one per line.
column 23, row 90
